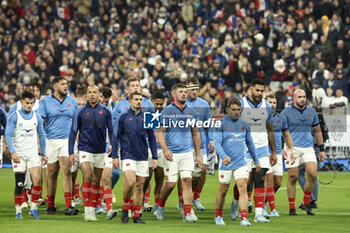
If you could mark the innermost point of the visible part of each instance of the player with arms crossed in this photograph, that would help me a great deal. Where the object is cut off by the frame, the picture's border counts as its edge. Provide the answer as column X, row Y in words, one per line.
column 302, row 120
column 131, row 134
column 175, row 141
column 21, row 138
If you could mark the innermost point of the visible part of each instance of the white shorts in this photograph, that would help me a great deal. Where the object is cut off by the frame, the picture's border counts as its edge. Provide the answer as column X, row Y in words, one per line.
column 278, row 167
column 140, row 167
column 160, row 155
column 225, row 176
column 76, row 165
column 56, row 148
column 181, row 162
column 303, row 155
column 26, row 162
column 108, row 162
column 98, row 160
column 264, row 163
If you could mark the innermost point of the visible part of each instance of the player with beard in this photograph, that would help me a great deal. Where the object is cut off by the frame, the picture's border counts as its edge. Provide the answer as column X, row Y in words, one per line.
column 57, row 111
column 131, row 135
column 133, row 85
column 258, row 113
column 302, row 120
column 175, row 138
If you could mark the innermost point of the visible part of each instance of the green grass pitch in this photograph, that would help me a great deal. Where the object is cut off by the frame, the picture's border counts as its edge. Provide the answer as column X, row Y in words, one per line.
column 332, row 215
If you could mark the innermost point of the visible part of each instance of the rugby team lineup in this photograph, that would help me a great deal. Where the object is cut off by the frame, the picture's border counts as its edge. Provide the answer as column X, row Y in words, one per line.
column 247, row 91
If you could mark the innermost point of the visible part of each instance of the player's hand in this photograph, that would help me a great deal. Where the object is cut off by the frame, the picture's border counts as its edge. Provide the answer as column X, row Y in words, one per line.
column 226, row 160
column 15, row 157
column 199, row 162
column 109, row 152
column 292, row 157
column 273, row 159
column 154, row 164
column 168, row 155
column 284, row 154
column 44, row 160
column 72, row 159
column 116, row 163
column 322, row 156
column 258, row 167
column 211, row 147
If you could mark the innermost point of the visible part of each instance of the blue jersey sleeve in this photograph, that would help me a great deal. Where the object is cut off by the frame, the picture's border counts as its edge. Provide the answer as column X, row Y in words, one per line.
column 218, row 139
column 149, row 106
column 13, row 109
column 74, row 130
column 10, row 129
column 284, row 123
column 269, row 113
column 42, row 109
column 3, row 121
column 41, row 133
column 117, row 111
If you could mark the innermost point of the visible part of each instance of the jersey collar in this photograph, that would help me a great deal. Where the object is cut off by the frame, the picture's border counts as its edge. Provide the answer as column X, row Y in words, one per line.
column 252, row 104
column 301, row 111
column 54, row 97
column 179, row 108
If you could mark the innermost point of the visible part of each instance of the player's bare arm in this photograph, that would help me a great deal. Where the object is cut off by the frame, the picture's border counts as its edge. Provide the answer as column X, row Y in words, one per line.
column 289, row 142
column 319, row 141
column 161, row 140
column 272, row 143
column 197, row 145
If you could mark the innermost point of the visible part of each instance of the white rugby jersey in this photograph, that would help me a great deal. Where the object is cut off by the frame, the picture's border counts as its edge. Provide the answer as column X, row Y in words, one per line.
column 25, row 135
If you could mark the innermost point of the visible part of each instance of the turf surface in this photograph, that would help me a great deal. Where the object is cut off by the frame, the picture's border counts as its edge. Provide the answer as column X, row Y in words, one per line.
column 332, row 215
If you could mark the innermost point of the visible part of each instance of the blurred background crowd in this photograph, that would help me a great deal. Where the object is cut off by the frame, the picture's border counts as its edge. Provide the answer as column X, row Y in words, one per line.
column 224, row 43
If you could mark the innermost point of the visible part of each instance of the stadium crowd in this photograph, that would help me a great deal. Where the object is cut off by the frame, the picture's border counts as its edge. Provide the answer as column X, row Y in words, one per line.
column 225, row 44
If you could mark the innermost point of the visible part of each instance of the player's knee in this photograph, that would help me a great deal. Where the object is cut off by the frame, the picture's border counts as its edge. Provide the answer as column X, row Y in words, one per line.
column 292, row 178
column 311, row 176
column 20, row 178
column 36, row 180
column 87, row 177
column 106, row 182
column 185, row 174
column 242, row 187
